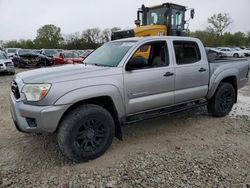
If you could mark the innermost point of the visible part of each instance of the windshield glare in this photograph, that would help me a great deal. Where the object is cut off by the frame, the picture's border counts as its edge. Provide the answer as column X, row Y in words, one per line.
column 70, row 55
column 11, row 50
column 110, row 54
column 3, row 56
column 22, row 52
column 156, row 16
column 51, row 52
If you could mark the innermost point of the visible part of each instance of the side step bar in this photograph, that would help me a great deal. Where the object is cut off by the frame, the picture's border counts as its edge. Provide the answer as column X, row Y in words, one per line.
column 162, row 112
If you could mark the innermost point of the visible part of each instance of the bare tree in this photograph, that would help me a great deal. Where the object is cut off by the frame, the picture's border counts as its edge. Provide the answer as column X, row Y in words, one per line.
column 106, row 33
column 92, row 35
column 219, row 23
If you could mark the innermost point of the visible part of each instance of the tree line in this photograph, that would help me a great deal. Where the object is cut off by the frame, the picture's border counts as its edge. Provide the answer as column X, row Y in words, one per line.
column 216, row 33
column 50, row 36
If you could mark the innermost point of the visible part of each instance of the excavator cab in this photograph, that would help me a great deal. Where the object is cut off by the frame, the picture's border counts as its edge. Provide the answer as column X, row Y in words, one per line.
column 165, row 19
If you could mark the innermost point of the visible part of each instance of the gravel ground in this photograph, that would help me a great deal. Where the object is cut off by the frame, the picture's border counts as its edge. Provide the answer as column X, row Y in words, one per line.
column 190, row 149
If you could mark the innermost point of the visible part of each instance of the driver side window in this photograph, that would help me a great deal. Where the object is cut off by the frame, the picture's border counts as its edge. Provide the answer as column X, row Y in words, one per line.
column 149, row 55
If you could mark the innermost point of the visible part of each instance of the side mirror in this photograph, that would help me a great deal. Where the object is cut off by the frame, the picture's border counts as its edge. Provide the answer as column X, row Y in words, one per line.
column 61, row 55
column 137, row 23
column 192, row 12
column 136, row 63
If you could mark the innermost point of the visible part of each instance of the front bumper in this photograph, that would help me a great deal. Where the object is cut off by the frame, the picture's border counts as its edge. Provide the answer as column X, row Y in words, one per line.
column 35, row 119
column 5, row 68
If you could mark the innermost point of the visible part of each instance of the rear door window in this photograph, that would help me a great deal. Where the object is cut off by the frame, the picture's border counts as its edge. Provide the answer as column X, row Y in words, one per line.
column 186, row 52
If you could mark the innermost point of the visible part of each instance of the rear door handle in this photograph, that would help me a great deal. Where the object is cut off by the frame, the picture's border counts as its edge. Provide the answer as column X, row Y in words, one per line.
column 202, row 70
column 167, row 74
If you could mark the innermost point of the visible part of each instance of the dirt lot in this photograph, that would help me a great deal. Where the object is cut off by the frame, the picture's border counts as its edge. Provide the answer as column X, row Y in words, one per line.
column 190, row 149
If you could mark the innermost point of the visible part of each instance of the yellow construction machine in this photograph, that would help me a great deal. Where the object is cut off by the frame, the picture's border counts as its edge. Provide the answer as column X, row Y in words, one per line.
column 165, row 19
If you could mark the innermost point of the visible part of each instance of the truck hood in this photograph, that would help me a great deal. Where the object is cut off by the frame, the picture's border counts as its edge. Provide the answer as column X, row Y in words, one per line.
column 63, row 73
column 4, row 61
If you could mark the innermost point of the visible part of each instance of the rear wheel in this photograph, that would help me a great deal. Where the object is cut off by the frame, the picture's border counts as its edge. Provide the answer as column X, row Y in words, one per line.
column 86, row 133
column 222, row 101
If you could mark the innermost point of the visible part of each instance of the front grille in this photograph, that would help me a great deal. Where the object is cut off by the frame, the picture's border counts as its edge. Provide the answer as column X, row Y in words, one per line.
column 15, row 90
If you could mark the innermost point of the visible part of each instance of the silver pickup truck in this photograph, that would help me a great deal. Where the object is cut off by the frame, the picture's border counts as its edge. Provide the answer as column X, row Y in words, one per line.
column 122, row 82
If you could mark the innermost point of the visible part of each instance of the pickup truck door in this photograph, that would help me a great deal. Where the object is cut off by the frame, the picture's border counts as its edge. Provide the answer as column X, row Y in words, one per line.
column 191, row 71
column 151, row 86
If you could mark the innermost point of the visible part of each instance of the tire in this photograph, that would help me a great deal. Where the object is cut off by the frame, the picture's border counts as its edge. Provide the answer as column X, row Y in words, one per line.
column 86, row 133
column 236, row 55
column 223, row 100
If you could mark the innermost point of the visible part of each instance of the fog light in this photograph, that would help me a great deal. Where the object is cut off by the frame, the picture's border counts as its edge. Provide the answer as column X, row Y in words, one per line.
column 31, row 122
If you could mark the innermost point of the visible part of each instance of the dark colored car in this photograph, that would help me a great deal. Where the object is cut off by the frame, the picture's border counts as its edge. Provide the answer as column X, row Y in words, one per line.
column 67, row 57
column 47, row 56
column 26, row 58
column 49, row 52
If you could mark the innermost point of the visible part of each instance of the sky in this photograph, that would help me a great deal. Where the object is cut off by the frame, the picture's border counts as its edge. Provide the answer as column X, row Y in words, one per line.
column 20, row 19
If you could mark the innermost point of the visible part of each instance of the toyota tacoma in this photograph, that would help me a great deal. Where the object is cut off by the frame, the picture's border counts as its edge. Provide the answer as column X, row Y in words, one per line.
column 123, row 82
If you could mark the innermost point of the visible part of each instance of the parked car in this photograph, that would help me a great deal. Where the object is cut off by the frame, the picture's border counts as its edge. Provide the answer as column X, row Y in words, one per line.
column 245, row 51
column 11, row 51
column 67, row 57
column 85, row 104
column 26, row 58
column 213, row 53
column 6, row 65
column 229, row 52
column 36, row 51
column 49, row 52
column 86, row 53
column 59, row 50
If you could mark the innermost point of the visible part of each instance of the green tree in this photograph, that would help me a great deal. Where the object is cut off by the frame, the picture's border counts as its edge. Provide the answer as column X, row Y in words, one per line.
column 236, row 39
column 12, row 44
column 48, row 36
column 219, row 23
column 247, row 42
column 208, row 38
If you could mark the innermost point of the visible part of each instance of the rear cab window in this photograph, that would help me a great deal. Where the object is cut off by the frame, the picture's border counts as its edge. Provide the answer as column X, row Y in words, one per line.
column 186, row 52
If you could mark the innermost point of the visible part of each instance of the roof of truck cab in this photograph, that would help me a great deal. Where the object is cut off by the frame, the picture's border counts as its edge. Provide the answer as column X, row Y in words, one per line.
column 141, row 39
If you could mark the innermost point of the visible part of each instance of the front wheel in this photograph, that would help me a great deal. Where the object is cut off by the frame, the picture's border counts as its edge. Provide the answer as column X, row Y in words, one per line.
column 223, row 100
column 86, row 133
column 236, row 55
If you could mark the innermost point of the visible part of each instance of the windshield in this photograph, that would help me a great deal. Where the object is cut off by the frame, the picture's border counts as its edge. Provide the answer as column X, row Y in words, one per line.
column 50, row 52
column 177, row 19
column 36, row 51
column 22, row 52
column 156, row 16
column 70, row 55
column 11, row 50
column 110, row 54
column 3, row 55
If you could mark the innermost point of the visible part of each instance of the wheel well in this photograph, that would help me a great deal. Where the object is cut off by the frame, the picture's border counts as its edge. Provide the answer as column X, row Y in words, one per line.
column 105, row 102
column 232, row 80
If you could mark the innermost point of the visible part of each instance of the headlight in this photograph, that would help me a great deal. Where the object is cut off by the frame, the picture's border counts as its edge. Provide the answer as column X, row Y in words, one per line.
column 35, row 92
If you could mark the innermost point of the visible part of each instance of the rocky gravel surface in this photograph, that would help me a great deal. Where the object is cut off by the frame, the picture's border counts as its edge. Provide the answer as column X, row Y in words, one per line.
column 190, row 149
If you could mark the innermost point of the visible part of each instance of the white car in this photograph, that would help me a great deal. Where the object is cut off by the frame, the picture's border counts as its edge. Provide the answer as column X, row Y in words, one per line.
column 11, row 51
column 245, row 51
column 229, row 52
column 6, row 65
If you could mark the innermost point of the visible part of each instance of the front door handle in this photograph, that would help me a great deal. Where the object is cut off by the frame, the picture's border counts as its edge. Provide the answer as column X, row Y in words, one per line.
column 167, row 74
column 202, row 70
